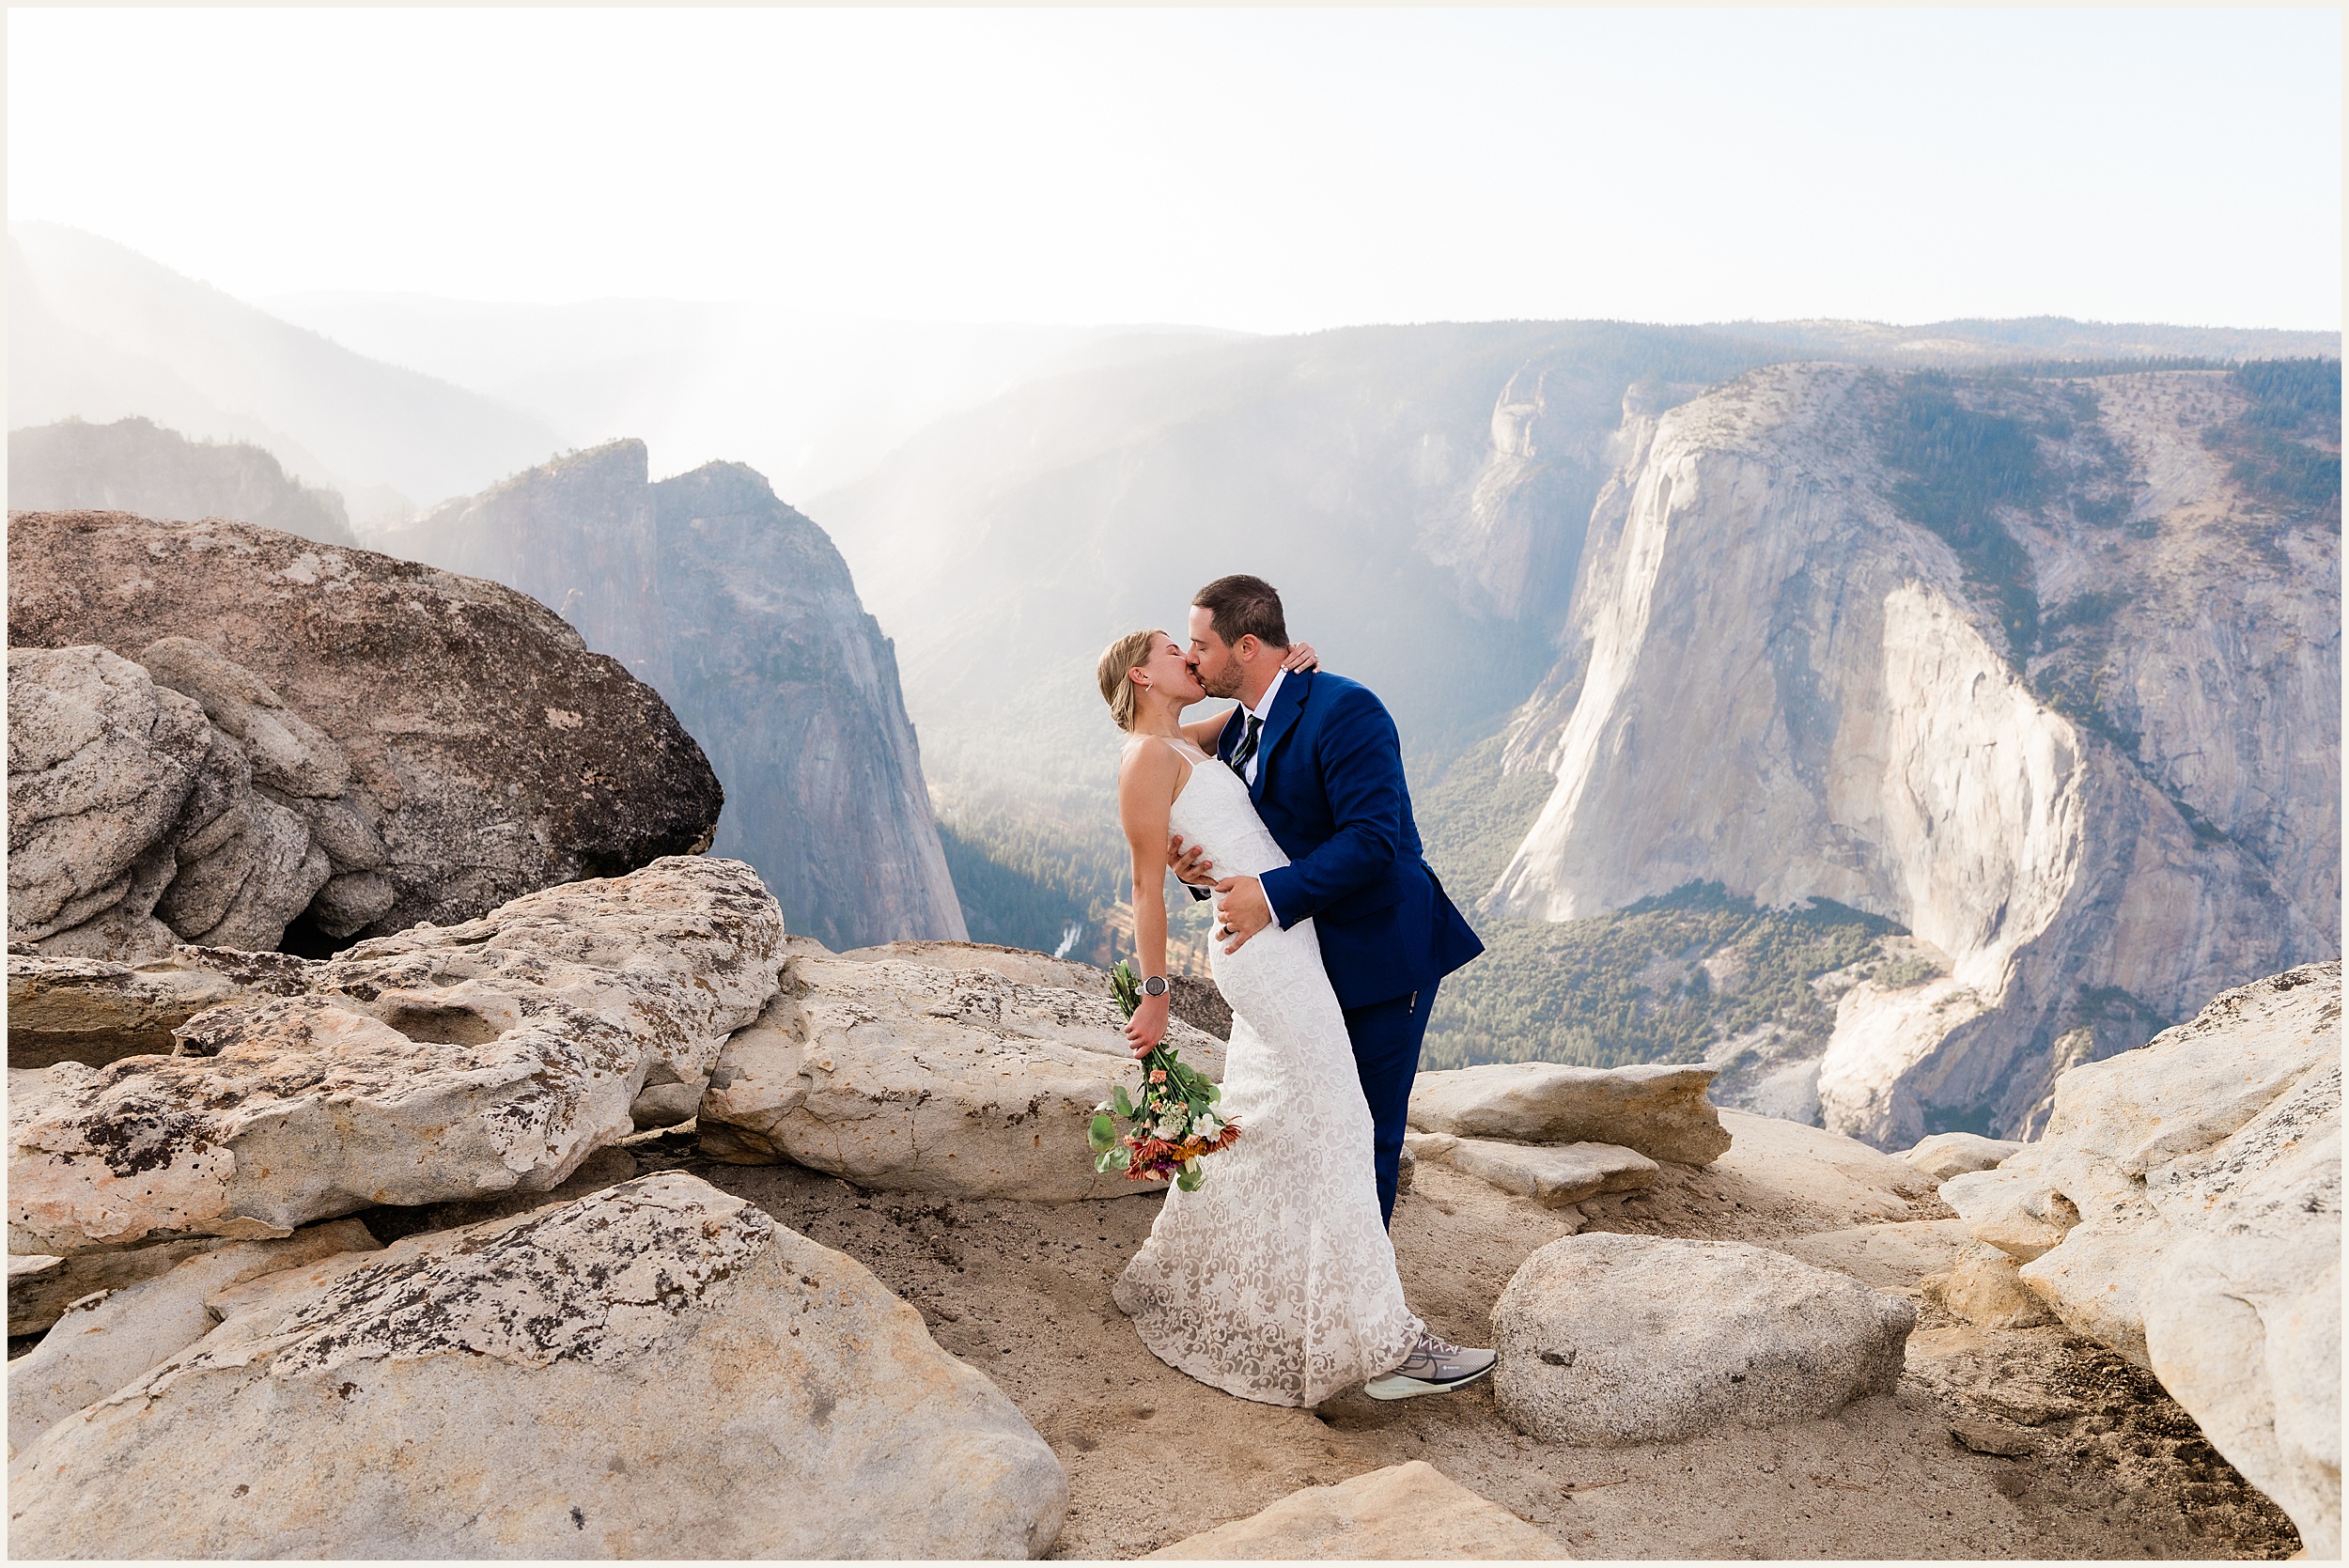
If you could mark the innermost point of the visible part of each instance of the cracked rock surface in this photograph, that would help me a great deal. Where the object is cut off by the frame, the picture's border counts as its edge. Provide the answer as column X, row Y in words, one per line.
column 219, row 729
column 657, row 1369
column 923, row 1078
column 111, row 1337
column 2183, row 1208
column 446, row 1062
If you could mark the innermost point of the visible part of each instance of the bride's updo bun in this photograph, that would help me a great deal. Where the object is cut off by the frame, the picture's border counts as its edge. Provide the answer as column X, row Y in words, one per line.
column 1117, row 660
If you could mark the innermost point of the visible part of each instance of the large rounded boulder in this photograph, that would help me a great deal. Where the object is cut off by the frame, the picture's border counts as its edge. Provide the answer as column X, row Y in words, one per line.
column 1611, row 1339
column 246, row 729
column 656, row 1370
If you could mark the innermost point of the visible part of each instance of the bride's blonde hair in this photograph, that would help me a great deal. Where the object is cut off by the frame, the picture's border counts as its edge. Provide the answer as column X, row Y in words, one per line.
column 1117, row 661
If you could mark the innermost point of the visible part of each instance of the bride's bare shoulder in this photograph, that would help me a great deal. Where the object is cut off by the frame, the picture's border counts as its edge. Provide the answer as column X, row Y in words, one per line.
column 1145, row 751
column 1150, row 760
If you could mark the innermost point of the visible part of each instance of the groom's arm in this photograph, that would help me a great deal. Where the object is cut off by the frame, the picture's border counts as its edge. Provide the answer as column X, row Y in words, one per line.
column 1360, row 758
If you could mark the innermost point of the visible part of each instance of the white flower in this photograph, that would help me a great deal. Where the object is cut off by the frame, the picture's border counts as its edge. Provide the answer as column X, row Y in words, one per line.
column 1206, row 1126
column 1172, row 1127
column 1103, row 1108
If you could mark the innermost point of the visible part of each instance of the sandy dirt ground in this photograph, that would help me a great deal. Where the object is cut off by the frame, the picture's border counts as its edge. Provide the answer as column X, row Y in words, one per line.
column 1022, row 1291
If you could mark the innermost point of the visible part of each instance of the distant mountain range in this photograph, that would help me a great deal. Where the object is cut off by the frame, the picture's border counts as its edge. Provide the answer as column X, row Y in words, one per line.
column 98, row 331
column 135, row 465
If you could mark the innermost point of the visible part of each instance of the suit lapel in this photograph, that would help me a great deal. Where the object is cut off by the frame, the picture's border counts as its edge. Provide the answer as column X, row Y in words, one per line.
column 1285, row 708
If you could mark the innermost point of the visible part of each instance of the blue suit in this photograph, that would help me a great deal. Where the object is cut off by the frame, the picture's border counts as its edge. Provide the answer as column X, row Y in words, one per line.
column 1330, row 784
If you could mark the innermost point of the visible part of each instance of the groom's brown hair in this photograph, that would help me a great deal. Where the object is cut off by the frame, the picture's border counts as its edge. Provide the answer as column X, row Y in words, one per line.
column 1245, row 606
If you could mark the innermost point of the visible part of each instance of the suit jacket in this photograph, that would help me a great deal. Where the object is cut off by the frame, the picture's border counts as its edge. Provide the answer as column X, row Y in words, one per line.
column 1330, row 784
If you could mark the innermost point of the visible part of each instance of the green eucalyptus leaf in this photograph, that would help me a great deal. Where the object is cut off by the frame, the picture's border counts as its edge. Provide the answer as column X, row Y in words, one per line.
column 1120, row 1156
column 1125, row 1105
column 1101, row 1134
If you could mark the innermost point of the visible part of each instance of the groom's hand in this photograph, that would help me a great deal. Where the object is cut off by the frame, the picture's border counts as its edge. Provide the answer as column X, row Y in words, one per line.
column 1189, row 866
column 1243, row 911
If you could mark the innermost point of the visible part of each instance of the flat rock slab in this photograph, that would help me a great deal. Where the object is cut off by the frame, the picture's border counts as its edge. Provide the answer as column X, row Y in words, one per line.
column 1012, row 963
column 93, row 1011
column 1410, row 1512
column 1953, row 1154
column 658, row 1370
column 1660, row 1111
column 440, row 1065
column 1553, row 1173
column 1613, row 1340
column 922, row 1079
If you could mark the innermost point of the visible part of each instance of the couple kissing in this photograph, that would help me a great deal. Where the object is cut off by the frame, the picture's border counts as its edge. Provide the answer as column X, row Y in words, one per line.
column 1275, row 1280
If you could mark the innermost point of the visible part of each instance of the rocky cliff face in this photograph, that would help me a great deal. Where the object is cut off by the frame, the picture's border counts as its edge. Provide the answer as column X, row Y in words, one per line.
column 2027, row 665
column 135, row 465
column 217, row 730
column 741, row 613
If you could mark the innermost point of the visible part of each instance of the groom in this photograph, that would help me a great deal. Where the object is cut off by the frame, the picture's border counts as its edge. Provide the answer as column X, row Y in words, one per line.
column 1325, row 768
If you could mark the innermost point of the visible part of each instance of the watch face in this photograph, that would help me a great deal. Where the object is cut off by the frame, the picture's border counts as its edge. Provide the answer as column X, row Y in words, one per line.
column 1155, row 986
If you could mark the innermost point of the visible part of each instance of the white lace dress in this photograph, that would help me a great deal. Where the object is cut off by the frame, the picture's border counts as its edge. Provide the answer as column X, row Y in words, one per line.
column 1275, row 1280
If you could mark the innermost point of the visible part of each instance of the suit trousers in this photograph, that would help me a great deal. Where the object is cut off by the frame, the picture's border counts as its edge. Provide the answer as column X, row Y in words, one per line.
column 1386, row 1037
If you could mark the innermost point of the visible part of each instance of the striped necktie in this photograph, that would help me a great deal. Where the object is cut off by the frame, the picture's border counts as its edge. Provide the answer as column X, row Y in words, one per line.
column 1245, row 752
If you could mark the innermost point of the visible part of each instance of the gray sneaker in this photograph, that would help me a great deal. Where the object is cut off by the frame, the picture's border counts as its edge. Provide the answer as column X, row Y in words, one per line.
column 1432, row 1367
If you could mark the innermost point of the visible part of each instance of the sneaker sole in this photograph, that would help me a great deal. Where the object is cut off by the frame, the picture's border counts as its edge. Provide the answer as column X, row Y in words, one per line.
column 1396, row 1385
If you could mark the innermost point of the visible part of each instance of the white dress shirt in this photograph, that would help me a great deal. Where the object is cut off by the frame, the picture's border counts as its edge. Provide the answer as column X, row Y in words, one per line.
column 1261, row 712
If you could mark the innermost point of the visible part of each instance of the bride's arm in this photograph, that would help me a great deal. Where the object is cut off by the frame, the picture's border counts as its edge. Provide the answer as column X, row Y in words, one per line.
column 1146, row 784
column 1201, row 732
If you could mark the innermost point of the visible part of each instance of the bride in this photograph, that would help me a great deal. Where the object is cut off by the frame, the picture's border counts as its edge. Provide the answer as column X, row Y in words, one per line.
column 1274, row 1280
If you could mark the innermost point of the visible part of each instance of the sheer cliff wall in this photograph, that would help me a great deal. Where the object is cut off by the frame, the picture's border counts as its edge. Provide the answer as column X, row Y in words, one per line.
column 2077, row 728
column 740, row 611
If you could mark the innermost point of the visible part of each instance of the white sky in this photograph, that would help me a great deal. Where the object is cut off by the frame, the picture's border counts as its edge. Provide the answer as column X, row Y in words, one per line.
column 1269, row 170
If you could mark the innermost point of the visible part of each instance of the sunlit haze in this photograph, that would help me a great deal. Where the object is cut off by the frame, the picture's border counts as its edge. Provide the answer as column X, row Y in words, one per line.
column 1271, row 171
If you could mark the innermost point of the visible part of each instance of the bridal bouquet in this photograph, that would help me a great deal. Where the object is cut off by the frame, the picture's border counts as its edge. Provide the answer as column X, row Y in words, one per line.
column 1174, row 1117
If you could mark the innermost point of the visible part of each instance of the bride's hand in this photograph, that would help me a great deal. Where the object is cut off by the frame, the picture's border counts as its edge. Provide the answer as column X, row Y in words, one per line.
column 1302, row 656
column 1147, row 1027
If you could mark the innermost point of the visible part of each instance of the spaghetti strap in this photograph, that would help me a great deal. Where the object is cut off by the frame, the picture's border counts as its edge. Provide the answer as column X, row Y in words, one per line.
column 1185, row 784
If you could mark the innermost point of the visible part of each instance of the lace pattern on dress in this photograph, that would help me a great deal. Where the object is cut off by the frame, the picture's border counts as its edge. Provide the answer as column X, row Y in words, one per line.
column 1276, row 1280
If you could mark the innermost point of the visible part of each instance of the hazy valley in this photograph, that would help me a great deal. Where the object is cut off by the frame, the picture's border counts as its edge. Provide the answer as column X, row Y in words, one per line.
column 1890, row 731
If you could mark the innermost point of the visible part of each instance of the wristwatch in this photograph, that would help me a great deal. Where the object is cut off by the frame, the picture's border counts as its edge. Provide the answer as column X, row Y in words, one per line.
column 1155, row 986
